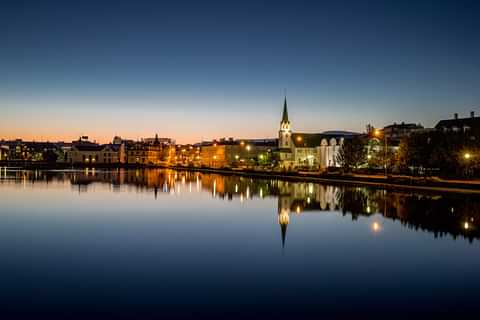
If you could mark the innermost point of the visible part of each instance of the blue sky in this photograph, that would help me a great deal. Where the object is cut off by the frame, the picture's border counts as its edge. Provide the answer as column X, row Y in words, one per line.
column 206, row 69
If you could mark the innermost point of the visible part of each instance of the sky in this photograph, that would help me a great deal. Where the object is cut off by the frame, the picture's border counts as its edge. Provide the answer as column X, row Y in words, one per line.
column 197, row 70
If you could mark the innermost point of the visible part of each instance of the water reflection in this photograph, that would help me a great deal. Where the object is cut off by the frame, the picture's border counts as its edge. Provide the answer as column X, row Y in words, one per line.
column 437, row 213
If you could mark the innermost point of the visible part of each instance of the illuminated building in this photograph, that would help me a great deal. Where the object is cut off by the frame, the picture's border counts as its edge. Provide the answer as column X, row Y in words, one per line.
column 147, row 153
column 308, row 150
column 238, row 153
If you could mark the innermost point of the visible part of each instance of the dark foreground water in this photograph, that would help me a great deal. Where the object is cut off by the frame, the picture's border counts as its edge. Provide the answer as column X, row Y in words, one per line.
column 163, row 244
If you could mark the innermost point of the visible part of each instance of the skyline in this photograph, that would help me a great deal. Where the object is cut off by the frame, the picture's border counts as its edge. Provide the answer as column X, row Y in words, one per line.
column 201, row 71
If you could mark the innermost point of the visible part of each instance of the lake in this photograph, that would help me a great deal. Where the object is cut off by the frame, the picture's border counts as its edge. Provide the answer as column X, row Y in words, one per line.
column 157, row 243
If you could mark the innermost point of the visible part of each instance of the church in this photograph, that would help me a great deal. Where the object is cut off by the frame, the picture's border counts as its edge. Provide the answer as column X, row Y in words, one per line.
column 310, row 151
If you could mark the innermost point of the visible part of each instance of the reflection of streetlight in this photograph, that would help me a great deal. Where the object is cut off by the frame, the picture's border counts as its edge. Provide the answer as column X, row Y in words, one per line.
column 376, row 227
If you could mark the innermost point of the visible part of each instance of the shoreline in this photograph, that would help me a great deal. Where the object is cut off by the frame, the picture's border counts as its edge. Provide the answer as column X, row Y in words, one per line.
column 377, row 181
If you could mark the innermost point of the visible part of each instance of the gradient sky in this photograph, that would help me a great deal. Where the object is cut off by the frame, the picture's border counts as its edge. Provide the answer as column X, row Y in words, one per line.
column 206, row 69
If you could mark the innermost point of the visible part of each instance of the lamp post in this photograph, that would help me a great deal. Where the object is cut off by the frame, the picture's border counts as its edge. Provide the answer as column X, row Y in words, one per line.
column 467, row 156
column 378, row 134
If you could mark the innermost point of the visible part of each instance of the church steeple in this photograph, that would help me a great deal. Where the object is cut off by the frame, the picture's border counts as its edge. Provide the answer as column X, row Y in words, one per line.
column 285, row 111
column 284, row 135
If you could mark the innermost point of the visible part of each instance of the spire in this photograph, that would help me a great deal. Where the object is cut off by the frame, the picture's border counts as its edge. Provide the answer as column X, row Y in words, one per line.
column 285, row 111
column 283, row 220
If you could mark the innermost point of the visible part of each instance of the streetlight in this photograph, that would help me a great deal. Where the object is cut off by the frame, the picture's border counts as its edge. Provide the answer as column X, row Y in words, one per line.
column 467, row 157
column 378, row 134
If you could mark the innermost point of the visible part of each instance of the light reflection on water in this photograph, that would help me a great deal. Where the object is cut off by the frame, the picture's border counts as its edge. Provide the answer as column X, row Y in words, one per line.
column 174, row 242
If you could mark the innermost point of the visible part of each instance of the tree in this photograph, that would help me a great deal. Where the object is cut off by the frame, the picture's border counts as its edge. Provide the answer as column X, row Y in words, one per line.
column 49, row 156
column 352, row 153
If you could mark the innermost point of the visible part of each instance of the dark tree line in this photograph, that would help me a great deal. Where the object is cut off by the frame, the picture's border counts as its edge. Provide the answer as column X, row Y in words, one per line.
column 448, row 154
column 445, row 153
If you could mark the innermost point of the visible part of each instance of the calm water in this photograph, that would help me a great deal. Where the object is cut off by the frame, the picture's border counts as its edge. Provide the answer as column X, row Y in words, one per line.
column 167, row 244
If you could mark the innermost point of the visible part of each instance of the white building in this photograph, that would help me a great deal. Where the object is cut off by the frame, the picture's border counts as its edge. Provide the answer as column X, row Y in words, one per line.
column 313, row 151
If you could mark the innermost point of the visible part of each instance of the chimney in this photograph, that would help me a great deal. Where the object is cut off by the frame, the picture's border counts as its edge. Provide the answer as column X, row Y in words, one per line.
column 472, row 114
column 455, row 116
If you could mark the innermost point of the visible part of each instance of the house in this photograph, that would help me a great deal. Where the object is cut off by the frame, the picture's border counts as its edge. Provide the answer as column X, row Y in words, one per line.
column 88, row 153
column 396, row 132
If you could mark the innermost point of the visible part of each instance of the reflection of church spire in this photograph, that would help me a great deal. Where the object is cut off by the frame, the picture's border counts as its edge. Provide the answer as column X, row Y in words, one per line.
column 283, row 227
column 283, row 220
column 284, row 205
